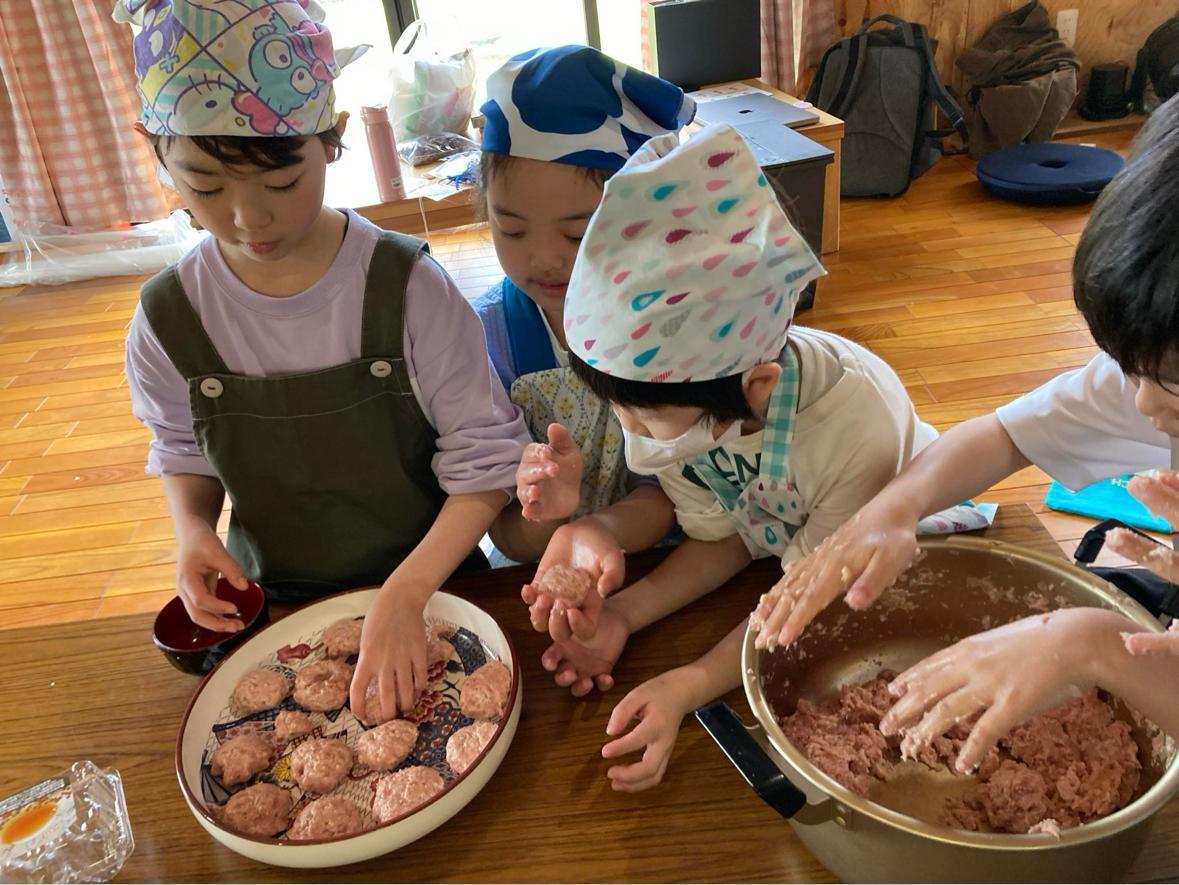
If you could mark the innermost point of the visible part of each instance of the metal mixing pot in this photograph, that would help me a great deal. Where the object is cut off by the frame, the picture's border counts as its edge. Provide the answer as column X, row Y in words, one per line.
column 962, row 586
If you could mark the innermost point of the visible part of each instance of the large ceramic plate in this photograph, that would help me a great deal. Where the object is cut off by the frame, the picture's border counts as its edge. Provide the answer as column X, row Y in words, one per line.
column 476, row 638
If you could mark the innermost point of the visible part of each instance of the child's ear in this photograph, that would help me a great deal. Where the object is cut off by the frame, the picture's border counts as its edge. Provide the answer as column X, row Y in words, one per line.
column 761, row 381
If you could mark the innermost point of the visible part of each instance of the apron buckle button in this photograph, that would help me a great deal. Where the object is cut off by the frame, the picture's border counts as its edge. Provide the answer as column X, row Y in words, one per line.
column 212, row 388
column 381, row 369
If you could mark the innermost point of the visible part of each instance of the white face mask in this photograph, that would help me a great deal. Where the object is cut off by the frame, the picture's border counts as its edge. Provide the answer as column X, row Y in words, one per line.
column 645, row 455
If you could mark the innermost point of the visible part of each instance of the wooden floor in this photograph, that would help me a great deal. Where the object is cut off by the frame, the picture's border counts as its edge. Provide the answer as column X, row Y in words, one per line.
column 966, row 296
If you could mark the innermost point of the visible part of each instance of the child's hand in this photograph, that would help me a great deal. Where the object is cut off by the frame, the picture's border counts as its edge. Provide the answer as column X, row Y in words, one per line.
column 659, row 706
column 585, row 544
column 392, row 651
column 200, row 559
column 1159, row 491
column 582, row 665
column 866, row 554
column 1007, row 675
column 548, row 480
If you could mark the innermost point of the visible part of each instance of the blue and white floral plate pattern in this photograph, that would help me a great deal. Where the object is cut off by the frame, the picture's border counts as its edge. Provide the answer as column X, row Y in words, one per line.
column 293, row 643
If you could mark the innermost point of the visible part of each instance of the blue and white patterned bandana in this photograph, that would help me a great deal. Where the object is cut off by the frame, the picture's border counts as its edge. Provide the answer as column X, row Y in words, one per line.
column 576, row 105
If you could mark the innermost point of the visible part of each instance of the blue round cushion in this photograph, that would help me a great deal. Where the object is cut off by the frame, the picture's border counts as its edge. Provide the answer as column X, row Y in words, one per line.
column 1050, row 173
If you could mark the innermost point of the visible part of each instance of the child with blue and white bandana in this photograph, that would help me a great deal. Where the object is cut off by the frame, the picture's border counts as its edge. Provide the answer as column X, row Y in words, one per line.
column 559, row 123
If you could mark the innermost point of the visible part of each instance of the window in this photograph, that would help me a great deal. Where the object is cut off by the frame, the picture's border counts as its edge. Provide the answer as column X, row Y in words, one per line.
column 366, row 80
column 495, row 30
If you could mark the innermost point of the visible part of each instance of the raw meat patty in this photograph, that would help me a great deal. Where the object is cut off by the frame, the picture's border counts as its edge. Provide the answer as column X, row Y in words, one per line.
column 386, row 746
column 342, row 639
column 319, row 765
column 260, row 810
column 329, row 818
column 570, row 585
column 467, row 743
column 323, row 686
column 291, row 724
column 373, row 713
column 260, row 690
column 437, row 649
column 485, row 692
column 240, row 758
column 404, row 791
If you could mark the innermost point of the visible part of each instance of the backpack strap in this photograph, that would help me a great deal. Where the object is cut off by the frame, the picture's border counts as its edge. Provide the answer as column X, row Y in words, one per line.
column 938, row 90
column 1138, row 81
column 853, row 68
column 883, row 17
column 812, row 94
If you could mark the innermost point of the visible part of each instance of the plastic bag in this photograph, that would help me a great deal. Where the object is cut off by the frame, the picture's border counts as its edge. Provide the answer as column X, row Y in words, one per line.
column 461, row 169
column 50, row 254
column 431, row 148
column 433, row 90
column 72, row 827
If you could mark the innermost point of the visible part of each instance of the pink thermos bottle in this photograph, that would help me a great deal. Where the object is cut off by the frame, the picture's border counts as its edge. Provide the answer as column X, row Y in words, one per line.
column 383, row 150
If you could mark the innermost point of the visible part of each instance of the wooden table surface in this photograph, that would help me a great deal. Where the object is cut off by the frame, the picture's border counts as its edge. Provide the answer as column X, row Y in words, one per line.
column 99, row 690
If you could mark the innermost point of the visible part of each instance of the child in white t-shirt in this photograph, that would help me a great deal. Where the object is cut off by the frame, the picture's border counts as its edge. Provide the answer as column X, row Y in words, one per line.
column 765, row 442
column 1119, row 414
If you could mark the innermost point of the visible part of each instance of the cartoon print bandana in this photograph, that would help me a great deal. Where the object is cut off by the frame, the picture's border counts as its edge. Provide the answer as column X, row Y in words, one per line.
column 689, row 270
column 578, row 106
column 234, row 67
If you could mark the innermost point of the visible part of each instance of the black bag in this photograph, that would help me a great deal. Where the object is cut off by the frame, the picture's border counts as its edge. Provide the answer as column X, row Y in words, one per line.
column 884, row 84
column 1158, row 59
column 1155, row 594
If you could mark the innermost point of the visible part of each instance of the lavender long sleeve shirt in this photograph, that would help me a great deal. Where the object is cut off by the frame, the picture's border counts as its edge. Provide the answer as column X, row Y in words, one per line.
column 481, row 433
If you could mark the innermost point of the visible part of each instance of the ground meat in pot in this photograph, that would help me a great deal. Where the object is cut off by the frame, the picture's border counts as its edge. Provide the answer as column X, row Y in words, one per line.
column 1070, row 765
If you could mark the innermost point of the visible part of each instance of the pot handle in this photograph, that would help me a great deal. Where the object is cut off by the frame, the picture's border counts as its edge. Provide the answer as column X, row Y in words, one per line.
column 758, row 769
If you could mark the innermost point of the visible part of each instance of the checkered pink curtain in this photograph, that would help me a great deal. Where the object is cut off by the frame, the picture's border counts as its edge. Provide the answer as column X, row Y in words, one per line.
column 645, row 39
column 68, row 154
column 782, row 64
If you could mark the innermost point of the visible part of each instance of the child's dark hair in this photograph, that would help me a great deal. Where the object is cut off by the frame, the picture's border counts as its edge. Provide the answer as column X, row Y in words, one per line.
column 722, row 399
column 239, row 150
column 492, row 164
column 1126, row 270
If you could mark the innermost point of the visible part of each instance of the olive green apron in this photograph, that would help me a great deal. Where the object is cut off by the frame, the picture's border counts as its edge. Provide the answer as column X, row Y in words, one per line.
column 329, row 472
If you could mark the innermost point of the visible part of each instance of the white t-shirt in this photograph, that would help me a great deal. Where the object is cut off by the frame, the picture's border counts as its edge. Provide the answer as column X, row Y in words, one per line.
column 1082, row 427
column 855, row 429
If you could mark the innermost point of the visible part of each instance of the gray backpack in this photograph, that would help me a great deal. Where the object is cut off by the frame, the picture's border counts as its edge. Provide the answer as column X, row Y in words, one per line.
column 883, row 84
